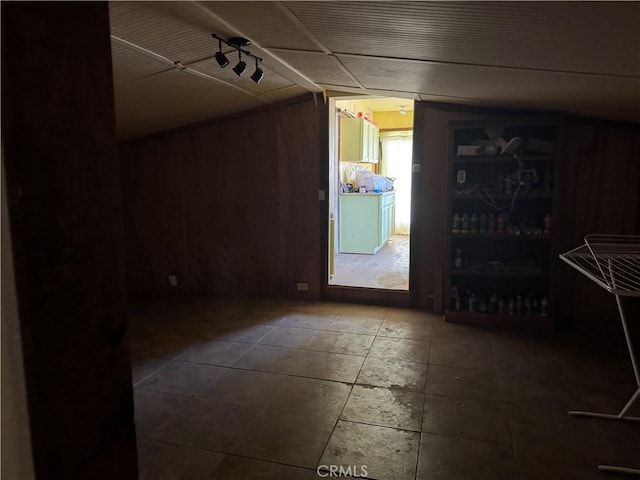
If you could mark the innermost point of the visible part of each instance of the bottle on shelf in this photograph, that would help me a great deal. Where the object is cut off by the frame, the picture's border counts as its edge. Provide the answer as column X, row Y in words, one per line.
column 527, row 306
column 483, row 223
column 465, row 223
column 473, row 302
column 456, row 223
column 512, row 306
column 544, row 307
column 493, row 304
column 455, row 298
column 457, row 262
column 519, row 309
column 501, row 306
column 482, row 304
column 473, row 228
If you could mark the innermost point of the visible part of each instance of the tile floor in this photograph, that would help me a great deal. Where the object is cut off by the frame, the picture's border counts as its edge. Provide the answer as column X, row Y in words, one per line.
column 388, row 269
column 274, row 390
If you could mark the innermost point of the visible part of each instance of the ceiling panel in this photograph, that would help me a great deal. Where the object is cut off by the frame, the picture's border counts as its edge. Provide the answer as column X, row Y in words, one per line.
column 154, row 26
column 597, row 37
column 581, row 57
column 264, row 22
column 129, row 65
column 174, row 99
column 319, row 67
column 609, row 96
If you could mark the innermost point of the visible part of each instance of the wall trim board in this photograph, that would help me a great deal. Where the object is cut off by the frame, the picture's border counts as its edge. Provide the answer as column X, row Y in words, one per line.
column 417, row 209
column 324, row 205
column 370, row 296
column 400, row 129
column 213, row 121
column 576, row 120
column 489, row 111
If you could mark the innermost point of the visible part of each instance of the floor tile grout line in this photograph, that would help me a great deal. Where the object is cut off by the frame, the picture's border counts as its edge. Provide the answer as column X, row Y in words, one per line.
column 134, row 385
column 378, row 425
column 310, row 350
column 221, row 452
column 335, row 425
column 506, row 413
column 297, row 327
column 475, row 399
column 422, row 415
column 284, row 374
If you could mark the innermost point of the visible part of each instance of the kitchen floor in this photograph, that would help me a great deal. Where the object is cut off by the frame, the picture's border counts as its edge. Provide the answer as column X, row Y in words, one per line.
column 276, row 390
column 388, row 269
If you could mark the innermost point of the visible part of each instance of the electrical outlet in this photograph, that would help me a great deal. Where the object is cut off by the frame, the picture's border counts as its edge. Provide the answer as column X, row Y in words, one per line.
column 302, row 287
column 173, row 280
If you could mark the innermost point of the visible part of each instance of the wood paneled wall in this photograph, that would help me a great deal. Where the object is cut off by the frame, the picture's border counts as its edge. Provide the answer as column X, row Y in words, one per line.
column 60, row 153
column 599, row 193
column 232, row 207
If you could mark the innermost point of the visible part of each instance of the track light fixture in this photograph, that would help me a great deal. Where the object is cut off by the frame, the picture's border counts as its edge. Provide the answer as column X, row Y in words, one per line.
column 241, row 66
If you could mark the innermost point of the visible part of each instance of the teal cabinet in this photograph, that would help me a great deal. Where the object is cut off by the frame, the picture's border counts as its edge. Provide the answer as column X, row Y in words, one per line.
column 366, row 221
column 359, row 141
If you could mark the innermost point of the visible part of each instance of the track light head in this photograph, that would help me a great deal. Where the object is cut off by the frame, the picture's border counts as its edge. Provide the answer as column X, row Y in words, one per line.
column 222, row 59
column 257, row 75
column 240, row 68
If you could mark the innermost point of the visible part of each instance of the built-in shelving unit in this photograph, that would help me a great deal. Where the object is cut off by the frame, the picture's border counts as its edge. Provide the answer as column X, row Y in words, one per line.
column 499, row 265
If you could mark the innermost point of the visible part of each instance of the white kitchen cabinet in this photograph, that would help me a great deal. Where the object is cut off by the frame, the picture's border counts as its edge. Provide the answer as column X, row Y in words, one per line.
column 359, row 140
column 366, row 221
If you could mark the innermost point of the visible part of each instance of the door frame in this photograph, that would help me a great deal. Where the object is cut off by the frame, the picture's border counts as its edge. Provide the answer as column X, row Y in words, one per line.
column 376, row 296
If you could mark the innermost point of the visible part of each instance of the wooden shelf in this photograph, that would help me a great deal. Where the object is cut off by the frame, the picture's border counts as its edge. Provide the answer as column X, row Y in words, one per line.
column 499, row 236
column 467, row 272
column 501, row 196
column 532, row 321
column 501, row 159
column 481, row 194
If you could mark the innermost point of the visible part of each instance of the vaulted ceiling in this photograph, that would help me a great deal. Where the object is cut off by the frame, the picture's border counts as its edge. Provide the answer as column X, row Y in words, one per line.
column 575, row 57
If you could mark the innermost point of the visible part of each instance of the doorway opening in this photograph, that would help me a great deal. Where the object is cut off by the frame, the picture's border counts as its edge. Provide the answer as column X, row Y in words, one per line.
column 370, row 157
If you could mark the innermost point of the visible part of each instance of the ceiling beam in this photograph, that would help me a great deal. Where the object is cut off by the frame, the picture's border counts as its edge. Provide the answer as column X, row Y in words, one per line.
column 464, row 64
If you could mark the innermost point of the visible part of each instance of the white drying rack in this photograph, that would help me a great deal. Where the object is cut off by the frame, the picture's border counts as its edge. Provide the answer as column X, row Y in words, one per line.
column 613, row 262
